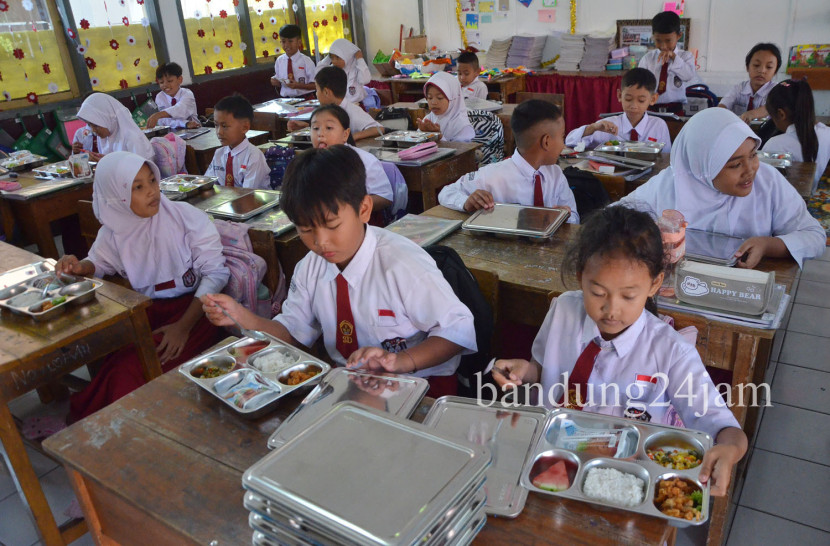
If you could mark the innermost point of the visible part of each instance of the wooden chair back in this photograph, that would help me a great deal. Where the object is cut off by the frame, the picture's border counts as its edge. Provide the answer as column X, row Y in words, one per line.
column 556, row 98
column 488, row 283
column 509, row 139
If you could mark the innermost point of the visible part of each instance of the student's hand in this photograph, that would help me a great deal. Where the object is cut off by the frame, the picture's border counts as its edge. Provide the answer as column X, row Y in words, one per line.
column 174, row 338
column 275, row 81
column 428, row 126
column 153, row 120
column 375, row 359
column 479, row 199
column 603, row 126
column 666, row 57
column 507, row 373
column 192, row 125
column 77, row 147
column 295, row 125
column 293, row 85
column 95, row 156
column 69, row 264
column 752, row 251
column 374, row 385
column 358, row 55
column 212, row 305
column 717, row 467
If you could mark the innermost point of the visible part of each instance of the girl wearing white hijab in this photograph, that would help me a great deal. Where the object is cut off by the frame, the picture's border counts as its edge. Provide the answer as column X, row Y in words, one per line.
column 347, row 56
column 718, row 183
column 168, row 251
column 447, row 112
column 114, row 125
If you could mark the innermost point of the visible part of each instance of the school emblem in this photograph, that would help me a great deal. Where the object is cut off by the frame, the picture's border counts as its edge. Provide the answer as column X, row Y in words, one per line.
column 302, row 80
column 574, row 400
column 678, row 82
column 346, row 331
column 189, row 278
column 352, row 90
column 394, row 345
column 638, row 414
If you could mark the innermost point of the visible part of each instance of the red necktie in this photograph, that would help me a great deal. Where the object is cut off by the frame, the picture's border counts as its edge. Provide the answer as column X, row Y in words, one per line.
column 94, row 143
column 538, row 198
column 634, row 136
column 229, row 170
column 346, row 341
column 290, row 71
column 751, row 105
column 578, row 380
column 664, row 75
column 173, row 102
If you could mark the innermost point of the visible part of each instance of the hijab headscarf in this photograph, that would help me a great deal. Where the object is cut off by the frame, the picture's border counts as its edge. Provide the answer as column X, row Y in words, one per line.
column 455, row 125
column 345, row 50
column 151, row 250
column 105, row 111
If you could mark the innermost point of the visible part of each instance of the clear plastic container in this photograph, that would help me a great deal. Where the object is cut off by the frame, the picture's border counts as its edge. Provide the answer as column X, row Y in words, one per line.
column 672, row 226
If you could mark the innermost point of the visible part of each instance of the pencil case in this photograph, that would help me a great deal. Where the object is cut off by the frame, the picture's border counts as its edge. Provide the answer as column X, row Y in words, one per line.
column 9, row 186
column 744, row 291
column 421, row 150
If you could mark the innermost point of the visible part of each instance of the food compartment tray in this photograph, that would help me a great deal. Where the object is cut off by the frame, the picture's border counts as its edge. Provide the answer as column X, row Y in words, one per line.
column 633, row 147
column 553, row 446
column 779, row 160
column 184, row 186
column 41, row 288
column 406, row 139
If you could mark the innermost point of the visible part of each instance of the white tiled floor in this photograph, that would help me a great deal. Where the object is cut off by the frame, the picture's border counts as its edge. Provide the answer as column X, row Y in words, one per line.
column 785, row 494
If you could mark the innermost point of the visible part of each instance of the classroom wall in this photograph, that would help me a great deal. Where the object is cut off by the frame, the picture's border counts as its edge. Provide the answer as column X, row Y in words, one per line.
column 722, row 30
column 382, row 20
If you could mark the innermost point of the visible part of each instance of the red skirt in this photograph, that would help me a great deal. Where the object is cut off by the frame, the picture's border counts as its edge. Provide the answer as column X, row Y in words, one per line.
column 121, row 372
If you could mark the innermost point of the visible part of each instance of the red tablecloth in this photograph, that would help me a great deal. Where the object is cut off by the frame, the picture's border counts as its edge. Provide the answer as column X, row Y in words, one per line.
column 586, row 97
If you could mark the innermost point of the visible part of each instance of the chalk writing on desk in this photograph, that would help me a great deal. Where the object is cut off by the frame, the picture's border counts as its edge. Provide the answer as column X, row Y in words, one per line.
column 68, row 356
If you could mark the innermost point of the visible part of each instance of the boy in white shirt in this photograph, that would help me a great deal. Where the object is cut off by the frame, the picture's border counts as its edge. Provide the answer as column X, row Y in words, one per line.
column 238, row 162
column 293, row 71
column 377, row 298
column 468, row 71
column 747, row 99
column 531, row 177
column 331, row 89
column 638, row 92
column 177, row 105
column 673, row 67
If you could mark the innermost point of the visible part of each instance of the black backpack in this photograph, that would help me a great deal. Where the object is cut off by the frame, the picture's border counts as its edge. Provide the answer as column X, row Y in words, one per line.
column 466, row 289
column 589, row 193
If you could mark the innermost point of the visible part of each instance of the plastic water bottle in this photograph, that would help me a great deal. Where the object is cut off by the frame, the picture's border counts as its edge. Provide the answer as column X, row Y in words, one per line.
column 672, row 226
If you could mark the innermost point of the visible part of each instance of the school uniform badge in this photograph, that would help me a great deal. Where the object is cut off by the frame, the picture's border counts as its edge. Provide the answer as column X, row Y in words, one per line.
column 346, row 331
column 189, row 278
column 302, row 80
column 394, row 345
column 352, row 90
column 678, row 82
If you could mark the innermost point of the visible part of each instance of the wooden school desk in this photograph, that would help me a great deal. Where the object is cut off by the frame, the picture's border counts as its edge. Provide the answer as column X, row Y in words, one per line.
column 33, row 354
column 34, row 214
column 200, row 150
column 164, row 465
column 530, row 273
column 506, row 86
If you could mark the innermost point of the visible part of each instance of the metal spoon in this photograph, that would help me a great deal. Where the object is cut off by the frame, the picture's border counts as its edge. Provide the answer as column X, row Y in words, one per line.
column 254, row 334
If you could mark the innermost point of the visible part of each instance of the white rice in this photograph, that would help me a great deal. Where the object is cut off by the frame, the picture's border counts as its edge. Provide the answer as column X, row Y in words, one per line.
column 274, row 361
column 610, row 485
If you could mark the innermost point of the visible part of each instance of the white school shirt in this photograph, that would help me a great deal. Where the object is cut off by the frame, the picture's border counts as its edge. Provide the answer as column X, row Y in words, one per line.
column 788, row 142
column 650, row 363
column 250, row 170
column 398, row 298
column 377, row 183
column 359, row 120
column 84, row 137
column 681, row 74
column 512, row 181
column 207, row 273
column 303, row 68
column 737, row 99
column 183, row 111
column 650, row 128
column 477, row 89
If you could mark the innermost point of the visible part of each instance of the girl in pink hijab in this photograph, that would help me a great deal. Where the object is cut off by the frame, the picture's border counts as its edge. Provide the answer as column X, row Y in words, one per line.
column 168, row 251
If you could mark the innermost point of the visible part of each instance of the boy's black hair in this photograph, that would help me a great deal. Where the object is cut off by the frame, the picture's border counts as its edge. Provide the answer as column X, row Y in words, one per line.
column 337, row 111
column 237, row 106
column 640, row 77
column 795, row 97
column 765, row 46
column 290, row 31
column 529, row 114
column 319, row 181
column 168, row 69
column 468, row 57
column 334, row 79
column 665, row 23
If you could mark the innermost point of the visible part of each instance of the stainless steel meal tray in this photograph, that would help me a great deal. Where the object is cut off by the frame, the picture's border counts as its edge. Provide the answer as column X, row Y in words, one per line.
column 354, row 452
column 238, row 363
column 397, row 394
column 505, row 219
column 22, row 161
column 584, row 440
column 712, row 248
column 779, row 160
column 54, row 170
column 158, row 130
column 303, row 135
column 29, row 296
column 405, row 139
column 628, row 146
column 391, row 155
column 183, row 186
column 248, row 205
column 508, row 432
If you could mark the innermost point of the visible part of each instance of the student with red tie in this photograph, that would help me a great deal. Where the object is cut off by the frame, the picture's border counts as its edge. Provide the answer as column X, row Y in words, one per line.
column 638, row 92
column 377, row 298
column 293, row 71
column 600, row 349
column 177, row 105
column 531, row 177
column 673, row 67
column 238, row 162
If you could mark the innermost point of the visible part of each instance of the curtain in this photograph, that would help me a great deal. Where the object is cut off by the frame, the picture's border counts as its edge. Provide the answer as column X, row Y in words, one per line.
column 586, row 97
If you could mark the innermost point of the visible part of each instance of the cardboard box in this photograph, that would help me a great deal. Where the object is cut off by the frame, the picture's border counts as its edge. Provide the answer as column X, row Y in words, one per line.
column 415, row 44
column 386, row 69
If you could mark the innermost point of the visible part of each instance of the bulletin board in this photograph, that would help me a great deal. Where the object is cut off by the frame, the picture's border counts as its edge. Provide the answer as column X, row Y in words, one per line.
column 638, row 32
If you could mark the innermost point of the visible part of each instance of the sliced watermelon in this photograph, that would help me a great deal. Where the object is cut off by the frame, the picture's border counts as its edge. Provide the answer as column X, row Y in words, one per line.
column 554, row 478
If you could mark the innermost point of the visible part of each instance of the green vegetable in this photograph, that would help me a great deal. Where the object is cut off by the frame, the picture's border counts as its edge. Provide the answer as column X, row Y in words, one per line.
column 697, row 498
column 59, row 300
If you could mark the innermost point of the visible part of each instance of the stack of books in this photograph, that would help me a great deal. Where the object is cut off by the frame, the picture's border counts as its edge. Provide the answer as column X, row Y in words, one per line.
column 597, row 49
column 526, row 51
column 573, row 48
column 497, row 54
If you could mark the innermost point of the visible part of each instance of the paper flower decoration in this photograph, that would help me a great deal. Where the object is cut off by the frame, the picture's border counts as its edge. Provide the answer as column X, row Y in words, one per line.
column 138, row 78
column 145, row 22
column 131, row 40
column 7, row 95
column 223, row 14
column 123, row 84
column 334, row 18
column 313, row 8
column 261, row 26
column 90, row 63
column 275, row 35
column 208, row 70
column 197, row 14
column 200, row 33
column 263, row 39
column 273, row 20
column 245, row 62
column 316, row 24
column 114, row 43
column 264, row 52
column 122, row 2
column 140, row 2
column 243, row 46
column 126, row 21
column 84, row 24
column 217, row 49
column 325, row 22
column 18, row 54
column 259, row 12
column 154, row 63
column 119, row 65
column 71, row 33
column 322, row 7
column 4, row 6
column 271, row 5
column 228, row 43
column 345, row 16
column 219, row 65
column 295, row 7
column 53, row 87
column 29, row 6
column 81, row 49
column 95, row 82
column 32, row 97
column 46, row 68
column 149, row 44
column 235, row 3
column 136, row 61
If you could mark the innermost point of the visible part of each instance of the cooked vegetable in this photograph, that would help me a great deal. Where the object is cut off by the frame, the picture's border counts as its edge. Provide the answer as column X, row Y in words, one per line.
column 678, row 459
column 675, row 498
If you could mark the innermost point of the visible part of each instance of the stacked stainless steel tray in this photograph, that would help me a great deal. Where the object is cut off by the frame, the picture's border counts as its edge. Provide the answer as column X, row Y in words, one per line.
column 357, row 476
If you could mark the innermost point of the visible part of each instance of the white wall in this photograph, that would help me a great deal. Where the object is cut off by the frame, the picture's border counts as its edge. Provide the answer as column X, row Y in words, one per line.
column 382, row 20
column 174, row 38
